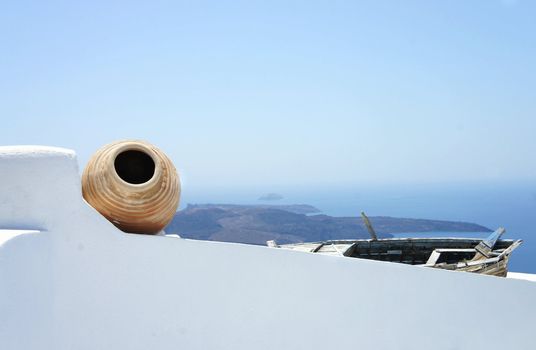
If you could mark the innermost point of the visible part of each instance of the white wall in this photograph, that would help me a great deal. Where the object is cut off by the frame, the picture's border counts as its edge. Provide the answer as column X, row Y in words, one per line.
column 82, row 284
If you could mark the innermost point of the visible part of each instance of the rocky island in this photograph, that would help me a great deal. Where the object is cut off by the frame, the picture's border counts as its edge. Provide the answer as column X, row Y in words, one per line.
column 256, row 224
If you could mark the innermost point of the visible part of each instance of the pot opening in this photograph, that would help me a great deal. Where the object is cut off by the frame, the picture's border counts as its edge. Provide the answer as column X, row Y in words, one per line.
column 135, row 167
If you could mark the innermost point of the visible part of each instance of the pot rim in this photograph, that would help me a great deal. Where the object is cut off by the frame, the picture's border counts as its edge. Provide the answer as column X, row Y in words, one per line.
column 141, row 146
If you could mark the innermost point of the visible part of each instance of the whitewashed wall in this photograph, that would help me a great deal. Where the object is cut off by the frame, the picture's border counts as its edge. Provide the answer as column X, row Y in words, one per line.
column 80, row 283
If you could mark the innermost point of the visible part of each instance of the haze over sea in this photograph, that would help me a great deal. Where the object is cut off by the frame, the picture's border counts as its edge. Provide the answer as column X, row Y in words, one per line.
column 512, row 206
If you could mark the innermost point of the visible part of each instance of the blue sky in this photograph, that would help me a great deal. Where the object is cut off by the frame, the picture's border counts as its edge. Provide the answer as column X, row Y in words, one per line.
column 280, row 93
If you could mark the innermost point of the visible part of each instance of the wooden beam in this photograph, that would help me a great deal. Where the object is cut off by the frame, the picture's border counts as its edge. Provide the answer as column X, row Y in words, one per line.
column 371, row 231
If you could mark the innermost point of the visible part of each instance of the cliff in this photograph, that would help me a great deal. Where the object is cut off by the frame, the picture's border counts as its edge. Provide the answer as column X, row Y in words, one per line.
column 256, row 224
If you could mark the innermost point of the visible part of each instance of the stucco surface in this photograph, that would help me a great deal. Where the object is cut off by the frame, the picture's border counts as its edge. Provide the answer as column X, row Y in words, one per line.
column 70, row 280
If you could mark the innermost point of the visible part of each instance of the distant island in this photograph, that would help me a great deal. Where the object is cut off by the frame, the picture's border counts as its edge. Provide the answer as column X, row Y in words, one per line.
column 271, row 197
column 256, row 224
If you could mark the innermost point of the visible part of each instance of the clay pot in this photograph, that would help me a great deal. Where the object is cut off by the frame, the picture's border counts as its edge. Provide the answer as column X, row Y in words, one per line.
column 134, row 185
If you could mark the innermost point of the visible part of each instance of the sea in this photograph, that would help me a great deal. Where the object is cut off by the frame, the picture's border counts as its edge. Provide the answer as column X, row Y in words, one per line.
column 493, row 205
